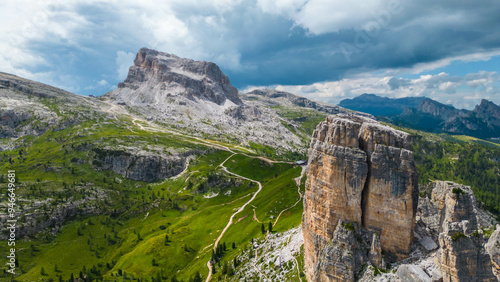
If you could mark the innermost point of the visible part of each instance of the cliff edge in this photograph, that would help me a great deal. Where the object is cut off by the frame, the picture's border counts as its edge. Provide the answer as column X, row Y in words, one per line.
column 361, row 176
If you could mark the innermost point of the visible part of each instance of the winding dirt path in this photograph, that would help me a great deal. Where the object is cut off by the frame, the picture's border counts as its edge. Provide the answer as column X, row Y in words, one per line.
column 255, row 216
column 137, row 124
column 186, row 166
column 297, row 180
column 220, row 146
column 209, row 265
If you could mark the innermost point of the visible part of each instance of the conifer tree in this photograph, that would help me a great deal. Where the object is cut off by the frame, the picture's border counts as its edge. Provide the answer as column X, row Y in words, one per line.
column 224, row 268
column 197, row 277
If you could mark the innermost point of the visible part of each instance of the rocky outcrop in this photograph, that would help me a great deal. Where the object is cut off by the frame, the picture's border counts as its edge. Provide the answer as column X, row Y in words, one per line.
column 447, row 214
column 489, row 112
column 51, row 214
column 375, row 255
column 141, row 166
column 461, row 256
column 436, row 109
column 197, row 98
column 272, row 97
column 409, row 272
column 179, row 76
column 359, row 171
column 493, row 249
column 244, row 113
column 32, row 108
column 343, row 257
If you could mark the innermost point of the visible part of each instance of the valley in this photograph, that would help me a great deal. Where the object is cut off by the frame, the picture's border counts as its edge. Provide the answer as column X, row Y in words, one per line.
column 71, row 203
column 135, row 223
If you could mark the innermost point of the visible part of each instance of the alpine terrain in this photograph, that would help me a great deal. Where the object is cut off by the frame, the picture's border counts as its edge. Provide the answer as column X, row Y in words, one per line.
column 177, row 176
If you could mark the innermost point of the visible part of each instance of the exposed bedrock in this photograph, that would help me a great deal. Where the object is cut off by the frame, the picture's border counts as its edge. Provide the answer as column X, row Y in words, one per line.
column 462, row 256
column 493, row 248
column 363, row 172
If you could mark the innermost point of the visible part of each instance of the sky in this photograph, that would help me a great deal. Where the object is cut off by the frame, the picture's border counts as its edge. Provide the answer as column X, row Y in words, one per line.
column 325, row 50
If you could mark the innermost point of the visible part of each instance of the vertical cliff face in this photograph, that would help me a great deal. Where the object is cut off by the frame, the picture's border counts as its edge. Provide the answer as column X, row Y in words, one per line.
column 168, row 74
column 493, row 248
column 359, row 171
column 461, row 256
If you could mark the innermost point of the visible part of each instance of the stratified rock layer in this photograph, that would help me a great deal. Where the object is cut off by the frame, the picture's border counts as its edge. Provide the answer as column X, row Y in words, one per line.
column 360, row 171
column 461, row 254
column 198, row 98
column 343, row 257
column 176, row 76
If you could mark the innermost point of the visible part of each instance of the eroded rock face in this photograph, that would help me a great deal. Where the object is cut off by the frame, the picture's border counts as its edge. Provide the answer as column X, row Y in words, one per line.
column 447, row 214
column 343, row 257
column 359, row 171
column 198, row 98
column 179, row 76
column 493, row 249
column 142, row 165
column 461, row 254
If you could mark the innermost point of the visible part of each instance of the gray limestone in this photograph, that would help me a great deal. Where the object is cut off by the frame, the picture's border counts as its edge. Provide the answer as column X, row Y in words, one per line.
column 408, row 272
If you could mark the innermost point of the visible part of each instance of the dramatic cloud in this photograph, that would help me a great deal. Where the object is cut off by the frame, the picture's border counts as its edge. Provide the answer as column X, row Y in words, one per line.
column 76, row 44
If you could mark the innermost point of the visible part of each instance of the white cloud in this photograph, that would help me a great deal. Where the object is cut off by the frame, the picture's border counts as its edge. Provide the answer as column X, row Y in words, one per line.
column 76, row 27
column 442, row 87
column 43, row 39
column 287, row 7
column 324, row 16
column 102, row 83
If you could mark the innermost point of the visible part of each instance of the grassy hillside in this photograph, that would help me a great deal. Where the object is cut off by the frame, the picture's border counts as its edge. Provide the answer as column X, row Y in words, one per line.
column 118, row 228
column 79, row 220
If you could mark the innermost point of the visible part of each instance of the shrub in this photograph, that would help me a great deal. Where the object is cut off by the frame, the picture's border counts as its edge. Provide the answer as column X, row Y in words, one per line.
column 349, row 226
column 457, row 236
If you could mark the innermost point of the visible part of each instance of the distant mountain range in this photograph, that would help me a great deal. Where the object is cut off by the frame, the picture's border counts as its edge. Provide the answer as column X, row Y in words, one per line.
column 426, row 114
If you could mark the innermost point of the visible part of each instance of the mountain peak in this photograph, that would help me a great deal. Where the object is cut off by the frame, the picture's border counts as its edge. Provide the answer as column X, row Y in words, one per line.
column 170, row 75
column 428, row 114
column 485, row 104
column 488, row 110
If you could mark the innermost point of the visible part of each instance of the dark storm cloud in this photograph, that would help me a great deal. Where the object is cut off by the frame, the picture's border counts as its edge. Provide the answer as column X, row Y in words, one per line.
column 422, row 32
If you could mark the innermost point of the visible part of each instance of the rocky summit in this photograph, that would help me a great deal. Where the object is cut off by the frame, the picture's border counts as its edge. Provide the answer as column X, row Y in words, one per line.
column 197, row 97
column 177, row 76
column 361, row 175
